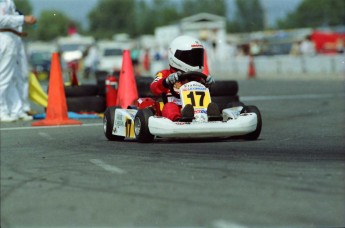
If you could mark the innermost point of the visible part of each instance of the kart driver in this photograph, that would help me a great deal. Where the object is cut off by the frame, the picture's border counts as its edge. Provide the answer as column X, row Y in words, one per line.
column 185, row 54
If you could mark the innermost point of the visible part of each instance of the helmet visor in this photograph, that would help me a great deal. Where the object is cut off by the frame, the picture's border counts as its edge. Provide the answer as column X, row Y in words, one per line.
column 194, row 57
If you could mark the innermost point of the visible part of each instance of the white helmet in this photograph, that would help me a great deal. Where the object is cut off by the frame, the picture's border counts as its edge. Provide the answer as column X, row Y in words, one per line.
column 186, row 54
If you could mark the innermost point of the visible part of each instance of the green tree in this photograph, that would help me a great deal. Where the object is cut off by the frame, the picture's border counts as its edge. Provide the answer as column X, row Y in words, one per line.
column 249, row 17
column 315, row 13
column 138, row 17
column 190, row 7
column 148, row 17
column 52, row 24
column 110, row 17
column 23, row 6
column 166, row 12
column 143, row 20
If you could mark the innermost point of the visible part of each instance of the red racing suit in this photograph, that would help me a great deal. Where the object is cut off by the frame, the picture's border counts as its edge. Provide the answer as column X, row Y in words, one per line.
column 172, row 106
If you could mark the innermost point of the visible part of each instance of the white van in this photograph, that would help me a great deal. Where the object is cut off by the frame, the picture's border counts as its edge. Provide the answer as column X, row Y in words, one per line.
column 110, row 56
column 73, row 47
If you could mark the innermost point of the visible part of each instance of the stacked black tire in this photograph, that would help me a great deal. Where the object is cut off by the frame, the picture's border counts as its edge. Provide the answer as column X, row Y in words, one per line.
column 91, row 98
column 222, row 92
column 85, row 99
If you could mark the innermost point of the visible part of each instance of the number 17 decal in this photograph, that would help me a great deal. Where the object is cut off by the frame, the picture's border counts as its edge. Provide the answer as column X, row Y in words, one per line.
column 199, row 99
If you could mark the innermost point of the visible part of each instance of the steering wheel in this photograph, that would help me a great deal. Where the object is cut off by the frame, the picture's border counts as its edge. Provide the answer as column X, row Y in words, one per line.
column 189, row 76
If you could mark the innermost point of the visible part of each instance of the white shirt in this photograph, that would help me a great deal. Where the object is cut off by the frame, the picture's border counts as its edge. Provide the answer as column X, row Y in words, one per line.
column 8, row 16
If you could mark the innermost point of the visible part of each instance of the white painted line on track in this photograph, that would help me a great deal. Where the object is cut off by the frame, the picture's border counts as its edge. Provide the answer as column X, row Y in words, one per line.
column 45, row 135
column 289, row 97
column 107, row 167
column 242, row 98
column 226, row 224
column 47, row 127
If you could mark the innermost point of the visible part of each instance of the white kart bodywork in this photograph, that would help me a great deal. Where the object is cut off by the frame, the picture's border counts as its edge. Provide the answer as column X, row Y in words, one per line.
column 124, row 122
column 233, row 124
column 164, row 127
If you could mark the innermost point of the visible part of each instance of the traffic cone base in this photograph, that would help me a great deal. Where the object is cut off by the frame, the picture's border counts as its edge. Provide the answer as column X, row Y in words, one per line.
column 57, row 106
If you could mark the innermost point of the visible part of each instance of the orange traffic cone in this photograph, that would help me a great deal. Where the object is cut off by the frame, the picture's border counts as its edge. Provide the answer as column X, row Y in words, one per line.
column 127, row 93
column 251, row 69
column 57, row 106
column 205, row 71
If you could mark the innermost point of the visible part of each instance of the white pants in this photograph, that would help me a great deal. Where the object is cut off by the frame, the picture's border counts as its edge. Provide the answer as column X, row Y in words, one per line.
column 23, row 77
column 10, row 100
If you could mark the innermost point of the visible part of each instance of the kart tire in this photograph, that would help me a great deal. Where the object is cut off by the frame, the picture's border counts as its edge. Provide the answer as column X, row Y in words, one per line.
column 108, row 124
column 255, row 134
column 141, row 125
column 81, row 91
column 235, row 104
column 222, row 101
column 224, row 88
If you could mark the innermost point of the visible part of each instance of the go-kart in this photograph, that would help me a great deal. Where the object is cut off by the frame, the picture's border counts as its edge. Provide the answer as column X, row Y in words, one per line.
column 145, row 122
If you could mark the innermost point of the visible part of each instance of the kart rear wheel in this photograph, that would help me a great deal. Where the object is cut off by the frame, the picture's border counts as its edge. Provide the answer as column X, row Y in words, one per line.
column 255, row 134
column 141, row 125
column 108, row 124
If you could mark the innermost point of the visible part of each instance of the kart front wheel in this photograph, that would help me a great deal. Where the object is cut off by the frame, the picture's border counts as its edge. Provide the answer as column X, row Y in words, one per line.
column 108, row 124
column 141, row 126
column 255, row 134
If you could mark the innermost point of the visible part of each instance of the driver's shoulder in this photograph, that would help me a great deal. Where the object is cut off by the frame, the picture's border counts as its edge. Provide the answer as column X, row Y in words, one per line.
column 165, row 73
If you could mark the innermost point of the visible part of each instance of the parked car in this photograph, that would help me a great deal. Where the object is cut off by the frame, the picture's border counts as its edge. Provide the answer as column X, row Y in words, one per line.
column 73, row 48
column 110, row 57
column 39, row 58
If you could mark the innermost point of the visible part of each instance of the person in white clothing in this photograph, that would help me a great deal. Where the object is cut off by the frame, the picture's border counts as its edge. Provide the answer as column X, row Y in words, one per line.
column 11, row 106
column 23, row 78
column 307, row 46
column 91, row 60
column 23, row 75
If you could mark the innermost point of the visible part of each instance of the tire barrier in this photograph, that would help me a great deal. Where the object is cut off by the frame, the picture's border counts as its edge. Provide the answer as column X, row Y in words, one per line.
column 86, row 104
column 220, row 88
column 81, row 90
column 222, row 92
column 224, row 88
column 222, row 101
column 100, row 81
column 91, row 98
column 143, row 86
column 84, row 98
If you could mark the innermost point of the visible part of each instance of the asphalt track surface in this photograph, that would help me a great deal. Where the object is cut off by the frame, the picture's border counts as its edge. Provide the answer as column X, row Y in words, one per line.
column 293, row 176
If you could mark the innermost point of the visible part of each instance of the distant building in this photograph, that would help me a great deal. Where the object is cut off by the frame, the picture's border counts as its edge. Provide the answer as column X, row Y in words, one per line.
column 205, row 26
column 209, row 28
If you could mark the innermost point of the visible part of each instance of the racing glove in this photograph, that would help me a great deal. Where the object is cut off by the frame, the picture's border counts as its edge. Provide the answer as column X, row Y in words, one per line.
column 172, row 79
column 209, row 81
